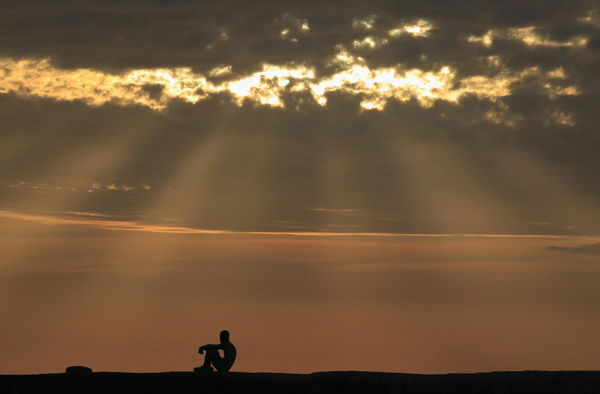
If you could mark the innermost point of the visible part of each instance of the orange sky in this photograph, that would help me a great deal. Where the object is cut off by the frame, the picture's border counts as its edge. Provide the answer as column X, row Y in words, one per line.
column 388, row 186
column 138, row 301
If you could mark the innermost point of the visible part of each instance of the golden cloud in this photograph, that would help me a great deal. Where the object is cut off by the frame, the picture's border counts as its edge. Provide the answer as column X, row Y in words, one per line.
column 375, row 86
column 419, row 28
column 527, row 35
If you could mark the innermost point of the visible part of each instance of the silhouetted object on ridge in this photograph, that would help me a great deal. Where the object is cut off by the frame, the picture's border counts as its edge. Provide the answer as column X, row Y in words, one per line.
column 222, row 364
column 78, row 370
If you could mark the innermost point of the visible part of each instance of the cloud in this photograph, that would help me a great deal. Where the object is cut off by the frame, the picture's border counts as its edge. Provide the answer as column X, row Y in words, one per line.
column 31, row 78
column 140, row 35
column 340, row 211
column 529, row 36
column 419, row 28
column 156, row 54
column 74, row 187
column 365, row 23
column 211, row 102
column 369, row 42
column 591, row 249
column 117, row 38
column 112, row 222
column 292, row 27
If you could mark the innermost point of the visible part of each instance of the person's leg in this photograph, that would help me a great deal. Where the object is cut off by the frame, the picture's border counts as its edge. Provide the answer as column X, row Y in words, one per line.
column 212, row 357
column 219, row 364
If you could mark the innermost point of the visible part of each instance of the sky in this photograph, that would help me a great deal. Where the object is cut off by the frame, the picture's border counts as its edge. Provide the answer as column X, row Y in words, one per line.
column 393, row 186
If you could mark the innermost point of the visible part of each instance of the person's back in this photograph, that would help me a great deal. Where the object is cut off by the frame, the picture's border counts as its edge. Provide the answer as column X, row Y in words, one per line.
column 229, row 354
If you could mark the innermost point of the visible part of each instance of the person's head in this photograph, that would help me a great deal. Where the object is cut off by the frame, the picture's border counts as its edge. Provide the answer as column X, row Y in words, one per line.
column 224, row 336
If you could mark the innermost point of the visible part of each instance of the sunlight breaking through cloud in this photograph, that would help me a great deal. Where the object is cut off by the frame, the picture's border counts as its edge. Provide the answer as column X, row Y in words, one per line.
column 591, row 17
column 369, row 42
column 366, row 23
column 527, row 35
column 220, row 71
column 292, row 25
column 419, row 28
column 155, row 88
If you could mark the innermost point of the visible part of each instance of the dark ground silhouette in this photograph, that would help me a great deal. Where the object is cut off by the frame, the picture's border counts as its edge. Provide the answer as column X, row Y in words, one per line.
column 527, row 382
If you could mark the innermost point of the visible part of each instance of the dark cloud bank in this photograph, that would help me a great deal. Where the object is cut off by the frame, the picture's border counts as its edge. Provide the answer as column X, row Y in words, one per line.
column 592, row 249
column 115, row 35
column 304, row 156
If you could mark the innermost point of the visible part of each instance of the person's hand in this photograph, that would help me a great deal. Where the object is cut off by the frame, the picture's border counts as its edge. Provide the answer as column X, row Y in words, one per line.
column 201, row 350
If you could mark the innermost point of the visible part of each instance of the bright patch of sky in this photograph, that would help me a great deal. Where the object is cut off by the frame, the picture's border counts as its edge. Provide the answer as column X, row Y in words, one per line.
column 419, row 28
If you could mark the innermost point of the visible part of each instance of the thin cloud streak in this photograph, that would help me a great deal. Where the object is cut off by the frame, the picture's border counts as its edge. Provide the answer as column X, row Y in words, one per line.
column 135, row 226
column 591, row 250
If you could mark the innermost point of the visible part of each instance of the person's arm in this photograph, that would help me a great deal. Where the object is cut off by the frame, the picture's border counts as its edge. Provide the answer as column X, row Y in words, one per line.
column 209, row 347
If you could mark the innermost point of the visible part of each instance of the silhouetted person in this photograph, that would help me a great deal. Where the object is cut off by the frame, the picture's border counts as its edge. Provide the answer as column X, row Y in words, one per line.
column 222, row 364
